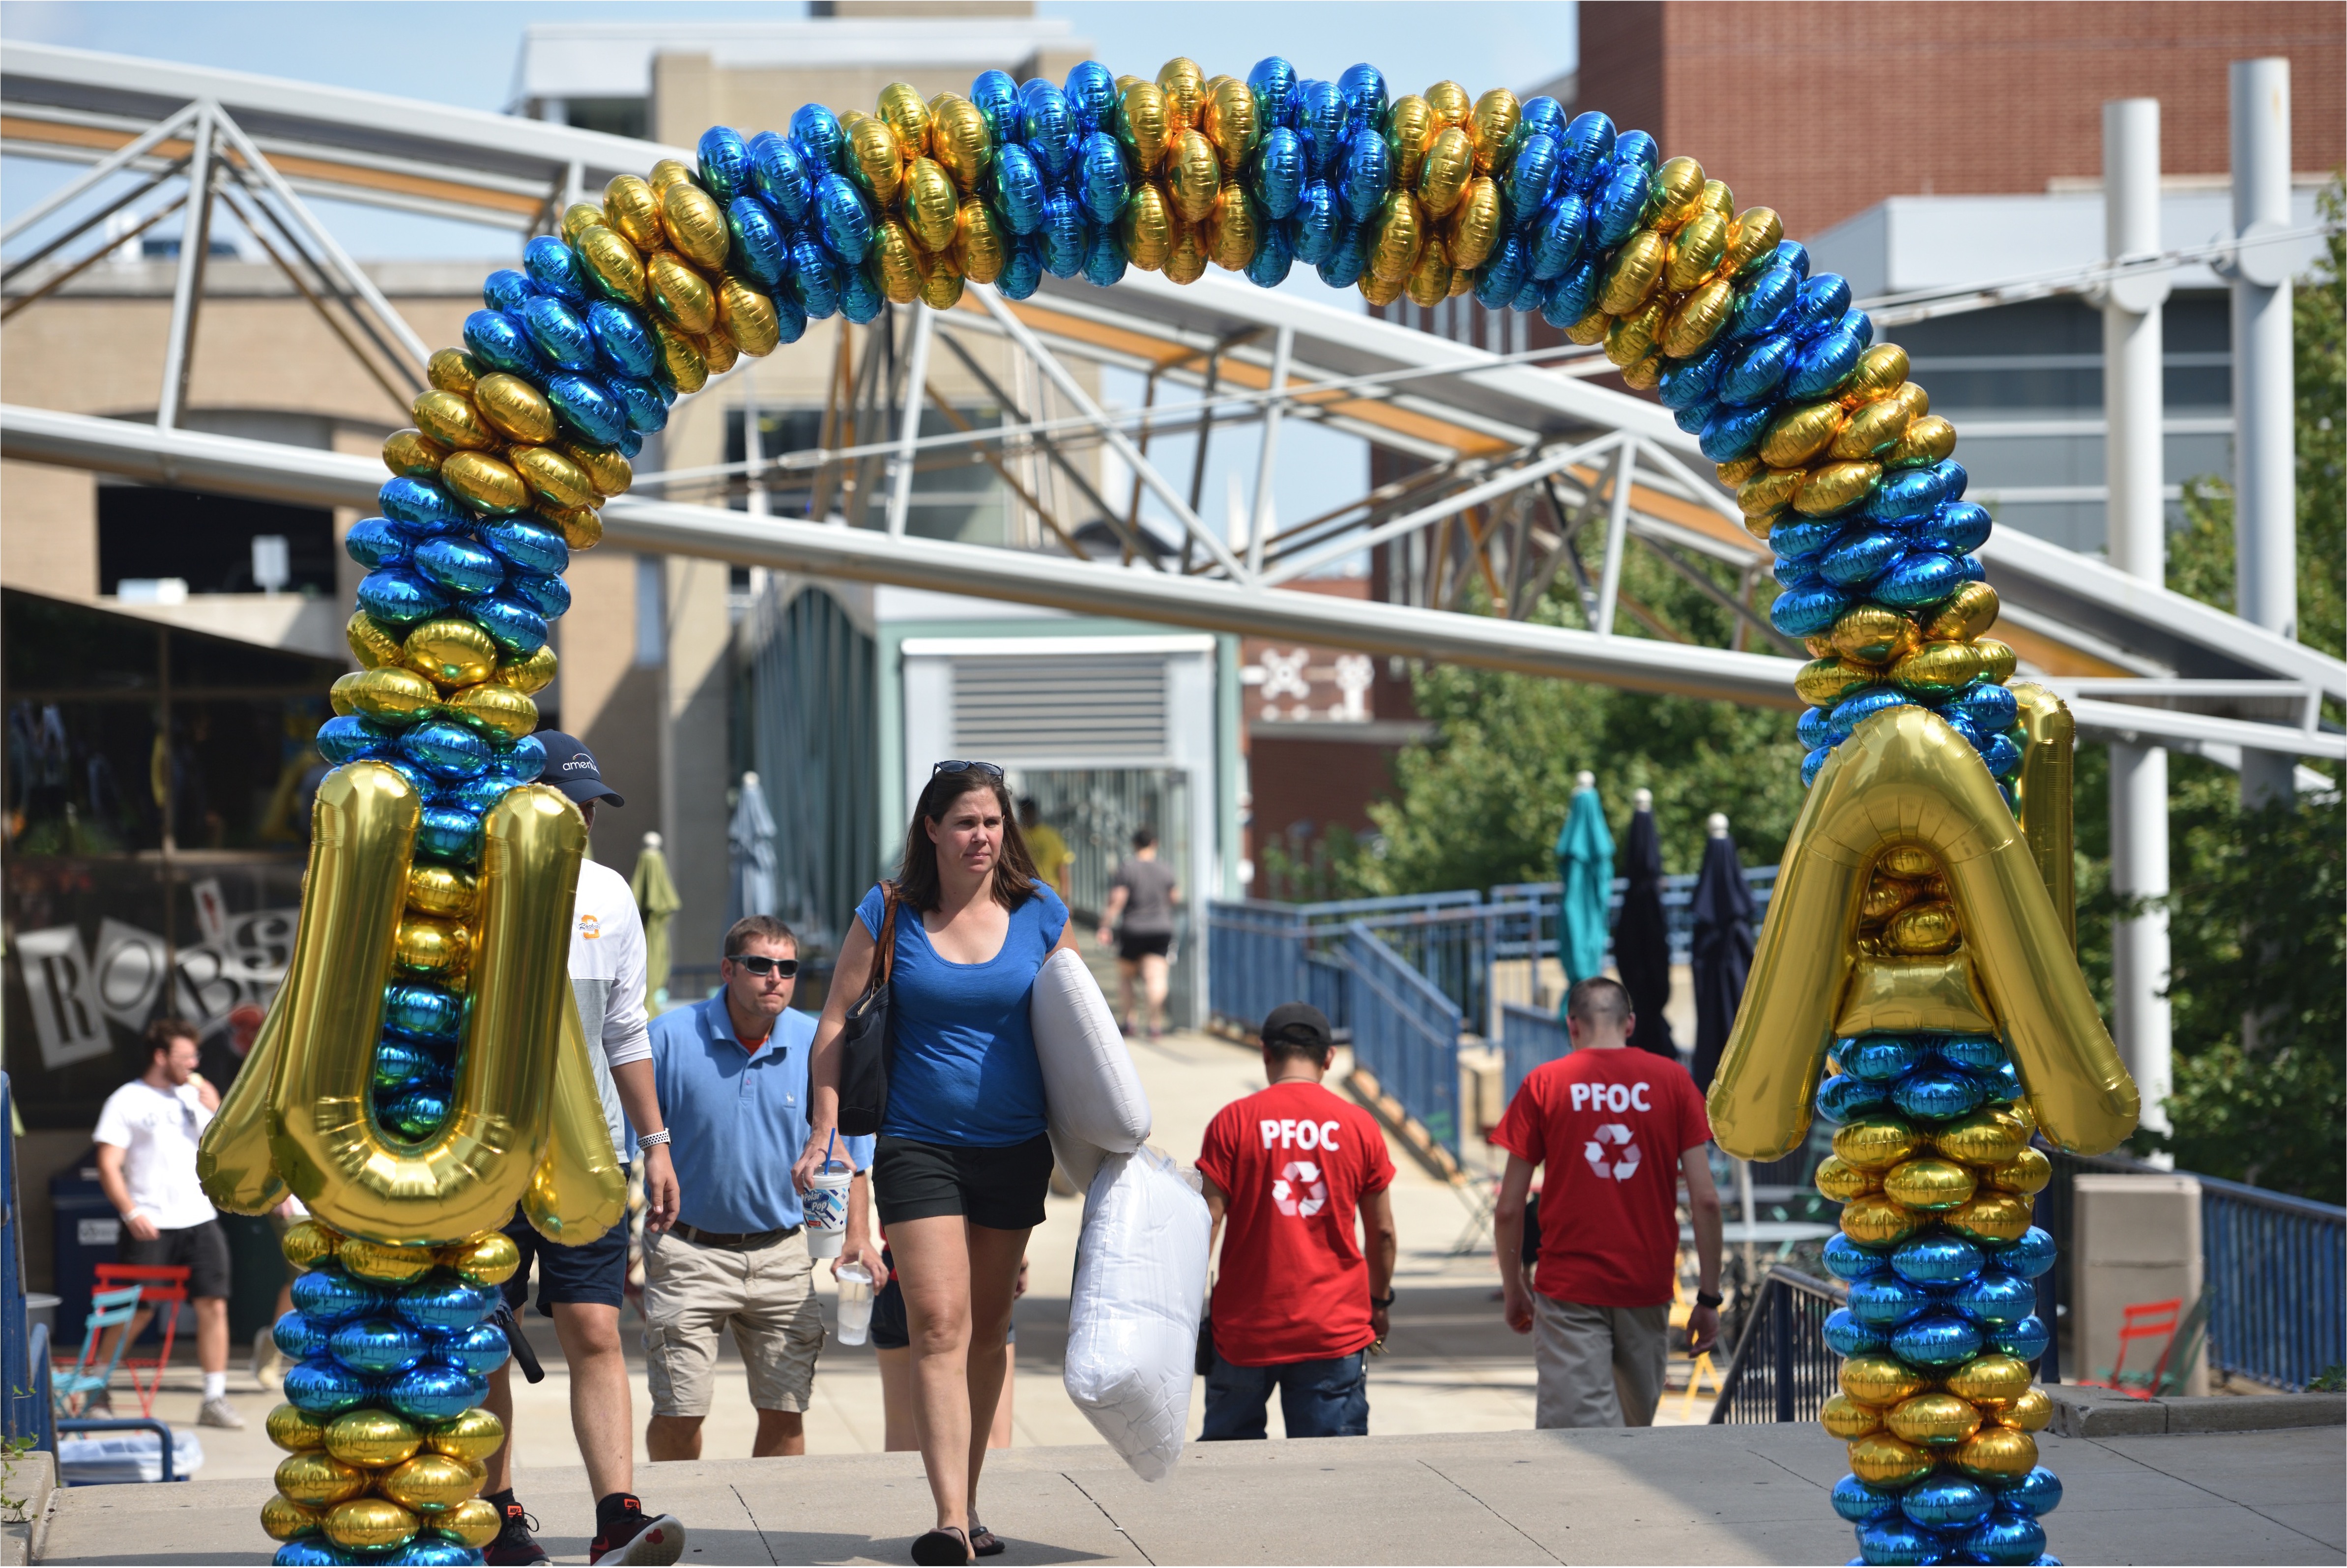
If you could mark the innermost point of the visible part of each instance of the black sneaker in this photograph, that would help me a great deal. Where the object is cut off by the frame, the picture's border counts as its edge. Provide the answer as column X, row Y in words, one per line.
column 638, row 1540
column 515, row 1544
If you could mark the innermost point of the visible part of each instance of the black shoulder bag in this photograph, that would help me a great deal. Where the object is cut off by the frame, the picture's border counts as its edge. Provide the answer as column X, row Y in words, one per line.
column 867, row 1042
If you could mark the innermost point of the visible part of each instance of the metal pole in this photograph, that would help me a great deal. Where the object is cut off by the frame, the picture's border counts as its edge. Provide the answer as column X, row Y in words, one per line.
column 753, row 444
column 2133, row 416
column 133, row 151
column 2265, row 491
column 1617, row 539
column 1268, row 464
column 909, row 422
column 195, row 238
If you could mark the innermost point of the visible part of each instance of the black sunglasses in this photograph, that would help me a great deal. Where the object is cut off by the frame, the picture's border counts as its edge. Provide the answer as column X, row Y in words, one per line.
column 786, row 968
column 957, row 766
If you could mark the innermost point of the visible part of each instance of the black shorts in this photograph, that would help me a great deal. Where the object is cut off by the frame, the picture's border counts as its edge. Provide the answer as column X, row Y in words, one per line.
column 596, row 1273
column 1001, row 1189
column 201, row 1250
column 1134, row 946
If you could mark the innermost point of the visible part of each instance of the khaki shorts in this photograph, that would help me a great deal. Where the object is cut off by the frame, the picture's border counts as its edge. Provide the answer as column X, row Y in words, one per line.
column 691, row 1293
column 1598, row 1365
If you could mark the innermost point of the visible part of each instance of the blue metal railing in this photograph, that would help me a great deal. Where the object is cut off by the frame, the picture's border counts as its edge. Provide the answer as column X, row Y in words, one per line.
column 2277, row 1275
column 1406, row 1032
column 1528, row 1037
column 1782, row 1369
column 1678, row 906
column 1255, row 960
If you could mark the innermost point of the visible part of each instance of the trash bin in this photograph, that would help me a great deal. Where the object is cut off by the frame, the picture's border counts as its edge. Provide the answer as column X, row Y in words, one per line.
column 88, row 1232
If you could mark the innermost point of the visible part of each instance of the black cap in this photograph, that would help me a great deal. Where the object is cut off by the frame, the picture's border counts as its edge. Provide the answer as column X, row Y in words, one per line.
column 571, row 768
column 1298, row 1023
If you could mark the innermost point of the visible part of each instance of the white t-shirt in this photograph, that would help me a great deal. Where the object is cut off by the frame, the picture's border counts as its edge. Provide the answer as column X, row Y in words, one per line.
column 606, row 977
column 158, row 1128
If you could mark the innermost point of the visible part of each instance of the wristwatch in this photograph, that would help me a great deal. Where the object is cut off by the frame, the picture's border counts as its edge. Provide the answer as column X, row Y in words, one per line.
column 1382, row 1300
column 1709, row 1298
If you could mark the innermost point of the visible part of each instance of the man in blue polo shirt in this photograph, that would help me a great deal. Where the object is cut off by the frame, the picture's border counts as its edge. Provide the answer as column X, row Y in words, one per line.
column 732, row 1073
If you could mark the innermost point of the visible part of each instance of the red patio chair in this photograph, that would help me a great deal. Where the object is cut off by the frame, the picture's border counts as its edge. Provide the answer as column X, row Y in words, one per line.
column 2145, row 1320
column 160, row 1285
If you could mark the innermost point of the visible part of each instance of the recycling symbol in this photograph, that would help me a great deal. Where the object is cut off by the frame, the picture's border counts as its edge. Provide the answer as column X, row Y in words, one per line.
column 1594, row 1151
column 1303, row 1176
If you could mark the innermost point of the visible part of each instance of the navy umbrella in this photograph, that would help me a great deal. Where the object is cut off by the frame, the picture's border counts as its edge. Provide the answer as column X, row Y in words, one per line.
column 1642, row 942
column 1723, row 947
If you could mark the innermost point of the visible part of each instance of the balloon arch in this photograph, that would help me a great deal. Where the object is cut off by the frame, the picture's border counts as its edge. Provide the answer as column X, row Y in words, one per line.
column 420, row 1074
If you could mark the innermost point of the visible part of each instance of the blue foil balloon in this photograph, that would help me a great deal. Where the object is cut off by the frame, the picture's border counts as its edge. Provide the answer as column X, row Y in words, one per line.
column 582, row 403
column 414, row 1115
column 1986, row 705
column 1092, row 94
column 1104, row 263
column 1318, row 221
column 1996, row 1299
column 1846, row 1335
column 449, row 836
column 761, row 248
column 1852, row 712
column 421, row 506
column 1823, row 363
column 623, row 343
column 506, row 290
column 1273, row 82
column 1735, row 432
column 311, row 1551
column 499, row 340
column 399, row 1062
column 1813, row 765
column 1020, row 188
column 813, row 281
column 427, row 1551
column 1805, row 612
column 1558, row 234
column 1532, row 178
column 1937, row 1257
column 1811, row 727
column 1944, row 1501
column 1845, row 1260
column 1921, row 578
column 1908, row 496
column 1861, row 1504
column 1973, row 1052
column 779, row 172
column 1886, row 1301
column 1047, row 127
column 1761, row 301
column 399, row 597
column 1281, row 169
column 1347, row 259
column 1100, row 180
column 1939, row 1095
column 459, row 565
column 547, row 595
column 2006, row 1538
column 423, row 1009
column 1792, row 254
column 1502, row 275
column 1881, row 1057
column 375, row 542
column 559, row 332
column 2038, row 1492
column 1363, row 88
column 1860, row 558
column 1804, row 539
column 297, row 1337
column 347, row 738
column 2023, row 1341
column 1844, row 1097
column 524, row 760
column 841, row 220
column 995, row 95
column 434, row 1391
column 1321, row 120
column 1584, row 148
column 480, row 1349
column 377, row 1345
column 1273, row 260
column 1364, row 174
column 1689, row 384
column 477, row 795
column 816, row 130
column 325, row 1387
column 1617, row 204
column 724, row 159
column 1936, row 1341
column 446, row 750
column 512, row 626
column 1822, row 302
column 1066, row 242
column 528, row 544
column 1896, row 1540
column 1958, row 530
column 328, row 1296
column 1753, row 373
column 442, row 1301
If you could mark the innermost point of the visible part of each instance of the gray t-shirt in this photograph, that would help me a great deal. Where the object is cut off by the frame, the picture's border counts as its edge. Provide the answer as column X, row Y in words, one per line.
column 1148, row 897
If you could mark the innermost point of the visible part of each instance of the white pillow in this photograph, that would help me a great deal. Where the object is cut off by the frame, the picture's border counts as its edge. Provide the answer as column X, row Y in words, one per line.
column 1091, row 1092
column 1132, row 1311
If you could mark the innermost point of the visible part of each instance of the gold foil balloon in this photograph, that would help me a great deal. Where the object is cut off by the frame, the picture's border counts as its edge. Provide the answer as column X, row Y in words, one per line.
column 1448, row 102
column 413, row 455
column 1800, row 435
column 1147, row 227
column 1184, row 86
column 1873, row 635
column 1873, row 431
column 1644, row 375
column 452, row 650
column 1229, row 122
column 681, row 296
column 1925, row 441
column 614, row 266
column 1929, row 1185
column 681, row 361
column 1881, row 371
column 285, row 1520
column 1396, row 238
column 1934, row 1419
column 473, row 1522
column 1699, row 318
column 580, row 216
column 931, row 204
column 901, row 107
column 384, row 1265
column 1751, row 240
column 1494, row 122
column 473, row 1435
column 527, row 673
column 429, row 1483
column 552, row 477
column 1841, row 1182
column 441, row 890
column 1991, row 1381
column 960, row 138
column 495, row 709
column 1997, row 661
column 1882, row 1459
column 426, row 945
column 1695, row 252
column 370, row 1524
column 1875, row 1143
column 2026, row 1172
column 896, row 264
column 316, row 1479
column 1186, row 256
column 1142, row 125
column 1908, row 859
column 1885, row 896
column 1475, row 228
column 1928, row 928
column 371, row 1439
column 450, row 419
column 1878, row 1220
column 1231, row 236
column 1193, row 175
column 1997, row 1453
column 517, row 410
column 748, row 318
column 1845, row 1417
column 1937, row 670
column 295, row 1429
column 607, row 469
column 2030, row 1413
column 1630, row 277
column 453, row 370
column 1675, row 190
column 1984, row 1137
column 1880, row 1381
column 581, row 529
column 1430, row 281
column 1822, row 683
column 979, row 246
column 1590, row 329
column 696, row 225
column 484, row 484
column 876, row 159
column 1834, row 486
column 1442, row 178
column 941, row 283
column 579, row 1189
column 1992, row 1216
column 489, row 1258
column 632, row 210
column 1631, row 338
column 1410, row 128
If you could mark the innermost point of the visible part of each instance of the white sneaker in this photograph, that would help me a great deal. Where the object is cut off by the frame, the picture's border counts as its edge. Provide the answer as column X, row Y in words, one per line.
column 219, row 1412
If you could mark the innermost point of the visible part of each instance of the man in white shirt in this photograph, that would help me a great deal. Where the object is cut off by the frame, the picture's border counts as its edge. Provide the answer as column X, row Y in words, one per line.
column 581, row 1287
column 146, row 1163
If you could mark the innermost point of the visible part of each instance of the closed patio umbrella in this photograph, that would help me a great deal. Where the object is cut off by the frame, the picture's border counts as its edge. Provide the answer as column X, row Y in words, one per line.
column 749, row 840
column 1642, row 943
column 1584, row 863
column 1723, row 947
column 657, row 904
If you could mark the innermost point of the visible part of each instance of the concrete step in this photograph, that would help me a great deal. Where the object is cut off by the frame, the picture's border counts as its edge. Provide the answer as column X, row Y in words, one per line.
column 1692, row 1494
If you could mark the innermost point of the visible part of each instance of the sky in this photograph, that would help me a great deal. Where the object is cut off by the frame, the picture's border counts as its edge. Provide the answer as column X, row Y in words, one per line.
column 465, row 53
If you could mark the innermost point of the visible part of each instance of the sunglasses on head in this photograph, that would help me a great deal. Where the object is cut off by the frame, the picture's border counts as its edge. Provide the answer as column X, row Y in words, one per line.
column 786, row 968
column 958, row 766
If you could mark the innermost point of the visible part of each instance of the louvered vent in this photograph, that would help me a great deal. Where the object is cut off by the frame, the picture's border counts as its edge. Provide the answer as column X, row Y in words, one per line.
column 1005, row 709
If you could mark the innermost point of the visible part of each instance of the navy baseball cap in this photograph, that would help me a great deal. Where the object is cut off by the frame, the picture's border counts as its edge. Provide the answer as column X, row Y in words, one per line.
column 571, row 768
column 1298, row 1023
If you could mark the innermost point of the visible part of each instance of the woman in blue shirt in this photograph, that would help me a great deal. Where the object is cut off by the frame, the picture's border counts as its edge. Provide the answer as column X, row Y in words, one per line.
column 962, row 1163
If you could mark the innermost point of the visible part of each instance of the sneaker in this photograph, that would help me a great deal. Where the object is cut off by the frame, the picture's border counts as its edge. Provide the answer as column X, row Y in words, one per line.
column 515, row 1544
column 640, row 1540
column 99, row 1407
column 268, row 1360
column 219, row 1412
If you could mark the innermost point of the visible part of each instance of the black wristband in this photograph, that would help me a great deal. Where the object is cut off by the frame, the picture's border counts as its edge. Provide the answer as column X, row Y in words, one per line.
column 1381, row 1300
column 1709, row 1298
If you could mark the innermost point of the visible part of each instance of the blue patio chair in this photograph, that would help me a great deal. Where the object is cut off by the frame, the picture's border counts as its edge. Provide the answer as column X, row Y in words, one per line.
column 72, row 1385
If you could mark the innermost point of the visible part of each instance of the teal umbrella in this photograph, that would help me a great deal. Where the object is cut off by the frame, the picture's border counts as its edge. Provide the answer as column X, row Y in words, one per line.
column 1584, row 862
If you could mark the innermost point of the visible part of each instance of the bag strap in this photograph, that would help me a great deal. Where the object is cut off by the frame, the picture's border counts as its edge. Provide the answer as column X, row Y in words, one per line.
column 886, row 942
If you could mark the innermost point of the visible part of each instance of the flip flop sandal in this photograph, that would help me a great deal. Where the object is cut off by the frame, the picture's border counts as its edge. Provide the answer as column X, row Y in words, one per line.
column 984, row 1543
column 942, row 1548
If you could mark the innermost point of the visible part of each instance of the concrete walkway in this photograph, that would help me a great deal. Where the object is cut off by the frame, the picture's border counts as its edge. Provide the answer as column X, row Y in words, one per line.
column 1710, row 1494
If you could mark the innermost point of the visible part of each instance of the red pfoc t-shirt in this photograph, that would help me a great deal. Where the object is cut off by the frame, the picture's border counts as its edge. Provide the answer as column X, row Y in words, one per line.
column 1295, row 1162
column 1610, row 1125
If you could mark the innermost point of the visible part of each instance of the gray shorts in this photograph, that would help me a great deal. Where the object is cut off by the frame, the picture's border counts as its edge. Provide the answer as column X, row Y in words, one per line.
column 693, row 1293
column 1598, row 1365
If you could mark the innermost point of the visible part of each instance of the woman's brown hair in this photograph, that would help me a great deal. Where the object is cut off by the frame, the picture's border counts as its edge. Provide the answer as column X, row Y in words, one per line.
column 917, row 873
